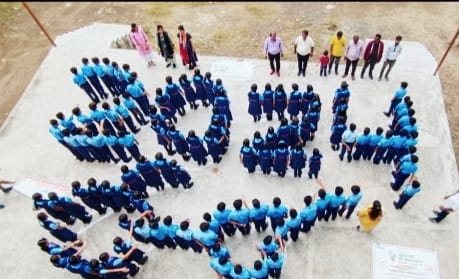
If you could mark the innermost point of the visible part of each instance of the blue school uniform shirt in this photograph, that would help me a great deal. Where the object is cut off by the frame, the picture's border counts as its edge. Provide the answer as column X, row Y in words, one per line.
column 385, row 142
column 217, row 254
column 397, row 141
column 270, row 248
column 187, row 234
column 108, row 69
column 363, row 139
column 410, row 142
column 111, row 140
column 159, row 233
column 221, row 269
column 134, row 90
column 67, row 123
column 81, row 140
column 128, row 140
column 400, row 93
column 336, row 201
column 122, row 110
column 208, row 238
column 87, row 70
column 262, row 273
column 277, row 212
column 221, row 216
column 214, row 225
column 97, row 141
column 294, row 223
column 84, row 119
column 97, row 115
column 239, row 216
column 408, row 190
column 111, row 115
column 275, row 264
column 374, row 139
column 79, row 79
column 259, row 213
column 323, row 203
column 408, row 167
column 56, row 133
column 129, row 103
column 281, row 230
column 97, row 68
column 139, row 84
column 308, row 213
column 171, row 230
column 410, row 128
column 353, row 199
column 245, row 274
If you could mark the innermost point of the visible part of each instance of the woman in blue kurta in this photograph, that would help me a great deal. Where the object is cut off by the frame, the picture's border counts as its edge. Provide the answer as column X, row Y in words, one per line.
column 176, row 95
column 298, row 161
column 280, row 101
column 254, row 103
column 190, row 93
column 281, row 158
column 268, row 102
column 197, row 150
column 248, row 156
column 314, row 163
column 198, row 82
column 294, row 101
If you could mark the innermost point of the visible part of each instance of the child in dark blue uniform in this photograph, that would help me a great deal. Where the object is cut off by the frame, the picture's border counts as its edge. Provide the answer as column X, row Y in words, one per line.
column 293, row 106
column 197, row 150
column 73, row 208
column 190, row 93
column 248, row 156
column 281, row 159
column 176, row 95
column 214, row 146
column 151, row 175
column 314, row 163
column 183, row 177
column 198, row 82
column 166, row 170
column 131, row 251
column 88, row 199
column 163, row 101
column 255, row 102
column 180, row 143
column 268, row 102
column 134, row 180
column 280, row 101
column 62, row 233
column 298, row 160
column 209, row 85
column 257, row 141
column 265, row 159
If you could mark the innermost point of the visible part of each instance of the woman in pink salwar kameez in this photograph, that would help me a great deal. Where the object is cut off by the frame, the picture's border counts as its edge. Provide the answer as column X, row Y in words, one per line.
column 140, row 40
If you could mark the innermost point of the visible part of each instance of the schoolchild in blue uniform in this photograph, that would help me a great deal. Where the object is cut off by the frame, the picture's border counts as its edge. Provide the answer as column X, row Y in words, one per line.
column 294, row 224
column 382, row 147
column 134, row 180
column 281, row 231
column 351, row 202
column 140, row 203
column 198, row 82
column 341, row 98
column 265, row 159
column 98, row 270
column 138, row 230
column 118, row 72
column 314, row 117
column 275, row 263
column 298, row 160
column 182, row 175
column 214, row 146
column 306, row 130
column 277, row 211
column 205, row 237
column 257, row 141
column 407, row 170
column 411, row 127
column 66, row 122
column 122, row 196
column 91, row 201
column 106, row 196
column 129, row 103
column 78, row 140
column 127, row 140
column 166, row 170
column 40, row 203
column 397, row 98
column 294, row 101
column 197, row 150
column 281, row 159
column 98, row 116
column 306, row 99
column 240, row 272
column 139, row 95
column 114, row 117
column 186, row 236
column 222, row 101
column 190, row 93
column 58, row 261
column 294, row 134
column 176, row 95
column 126, row 73
column 94, row 144
column 407, row 193
column 402, row 109
column 314, row 163
column 402, row 121
column 348, row 139
column 121, row 246
column 280, row 101
column 255, row 102
column 408, row 146
column 159, row 236
column 85, row 120
column 163, row 101
column 209, row 86
column 268, row 102
column 271, row 138
column 109, row 262
column 180, row 143
column 219, row 251
column 73, row 208
column 162, row 137
column 62, row 233
column 99, row 70
column 240, row 217
column 222, row 266
column 221, row 214
column 267, row 246
column 57, row 134
column 112, row 141
column 150, row 174
column 258, row 214
column 308, row 214
column 114, row 85
column 248, row 156
column 322, row 203
column 361, row 144
column 394, row 148
column 90, row 74
column 79, row 266
column 260, row 270
column 283, row 132
column 373, row 143
column 80, row 80
column 336, row 200
column 214, row 225
column 99, row 143
column 55, row 249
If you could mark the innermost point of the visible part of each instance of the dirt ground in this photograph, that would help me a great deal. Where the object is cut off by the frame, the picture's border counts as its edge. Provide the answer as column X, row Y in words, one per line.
column 230, row 29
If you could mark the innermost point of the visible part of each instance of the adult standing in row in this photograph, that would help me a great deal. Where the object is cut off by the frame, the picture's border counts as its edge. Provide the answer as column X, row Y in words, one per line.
column 304, row 48
column 187, row 51
column 373, row 54
column 352, row 54
column 390, row 57
column 337, row 45
column 165, row 45
column 273, row 50
column 140, row 40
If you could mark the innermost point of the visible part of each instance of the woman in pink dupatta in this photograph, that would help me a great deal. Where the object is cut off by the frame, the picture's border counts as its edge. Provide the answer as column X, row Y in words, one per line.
column 140, row 40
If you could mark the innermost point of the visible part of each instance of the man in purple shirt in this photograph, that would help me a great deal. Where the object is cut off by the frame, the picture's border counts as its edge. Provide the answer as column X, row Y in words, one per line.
column 273, row 50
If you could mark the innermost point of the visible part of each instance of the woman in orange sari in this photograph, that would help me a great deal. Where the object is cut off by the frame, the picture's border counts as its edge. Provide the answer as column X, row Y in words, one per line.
column 186, row 49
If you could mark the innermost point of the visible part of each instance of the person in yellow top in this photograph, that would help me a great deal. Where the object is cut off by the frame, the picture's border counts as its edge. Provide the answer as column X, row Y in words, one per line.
column 337, row 44
column 370, row 216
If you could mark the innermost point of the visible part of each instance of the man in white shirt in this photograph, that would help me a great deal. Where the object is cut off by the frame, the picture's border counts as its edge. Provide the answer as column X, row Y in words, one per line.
column 304, row 48
column 450, row 204
column 352, row 54
column 392, row 52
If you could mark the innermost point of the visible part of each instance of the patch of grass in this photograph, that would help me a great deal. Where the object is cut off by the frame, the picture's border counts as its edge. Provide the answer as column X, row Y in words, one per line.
column 7, row 11
column 160, row 10
column 258, row 10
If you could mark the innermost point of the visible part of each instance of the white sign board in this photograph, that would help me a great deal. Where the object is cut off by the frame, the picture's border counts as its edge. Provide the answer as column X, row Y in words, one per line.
column 232, row 69
column 396, row 262
column 28, row 187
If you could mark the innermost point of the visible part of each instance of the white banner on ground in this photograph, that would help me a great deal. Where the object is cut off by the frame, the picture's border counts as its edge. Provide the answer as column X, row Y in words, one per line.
column 29, row 186
column 231, row 69
column 397, row 262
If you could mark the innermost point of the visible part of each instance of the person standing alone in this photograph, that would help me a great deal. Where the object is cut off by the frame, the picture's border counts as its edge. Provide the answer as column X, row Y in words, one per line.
column 273, row 50
column 304, row 48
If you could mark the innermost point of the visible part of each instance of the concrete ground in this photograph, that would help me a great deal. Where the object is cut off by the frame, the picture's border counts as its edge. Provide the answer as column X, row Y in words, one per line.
column 330, row 250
